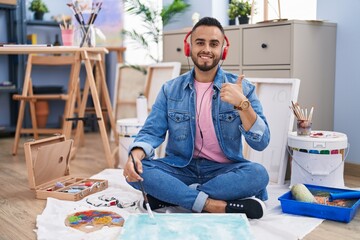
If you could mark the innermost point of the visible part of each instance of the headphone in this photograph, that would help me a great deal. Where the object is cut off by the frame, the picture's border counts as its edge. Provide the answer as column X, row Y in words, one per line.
column 187, row 47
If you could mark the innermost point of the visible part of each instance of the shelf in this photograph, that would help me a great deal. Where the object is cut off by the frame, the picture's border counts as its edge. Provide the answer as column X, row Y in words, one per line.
column 42, row 23
column 8, row 89
column 7, row 6
column 6, row 130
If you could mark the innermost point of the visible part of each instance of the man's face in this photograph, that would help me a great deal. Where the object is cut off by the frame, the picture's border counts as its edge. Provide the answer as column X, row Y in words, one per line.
column 206, row 47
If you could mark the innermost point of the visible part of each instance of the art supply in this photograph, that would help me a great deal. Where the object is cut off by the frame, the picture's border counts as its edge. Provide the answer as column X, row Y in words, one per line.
column 86, row 183
column 67, row 36
column 342, row 210
column 181, row 226
column 85, row 33
column 141, row 108
column 304, row 120
column 67, row 33
column 150, row 213
column 312, row 161
column 96, row 7
column 301, row 193
column 59, row 185
column 101, row 202
column 76, row 13
column 84, row 36
column 92, row 220
column 344, row 195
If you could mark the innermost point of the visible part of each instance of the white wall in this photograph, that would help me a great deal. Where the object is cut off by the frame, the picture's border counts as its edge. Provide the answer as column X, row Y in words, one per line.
column 292, row 9
column 347, row 84
column 206, row 8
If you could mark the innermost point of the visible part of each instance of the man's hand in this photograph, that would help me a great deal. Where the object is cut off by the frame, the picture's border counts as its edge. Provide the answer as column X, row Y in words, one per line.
column 232, row 92
column 129, row 170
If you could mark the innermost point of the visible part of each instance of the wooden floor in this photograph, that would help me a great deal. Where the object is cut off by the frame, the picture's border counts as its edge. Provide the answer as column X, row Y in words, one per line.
column 19, row 208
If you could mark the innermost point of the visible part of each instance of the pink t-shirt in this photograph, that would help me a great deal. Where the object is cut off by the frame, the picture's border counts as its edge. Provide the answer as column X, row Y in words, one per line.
column 207, row 145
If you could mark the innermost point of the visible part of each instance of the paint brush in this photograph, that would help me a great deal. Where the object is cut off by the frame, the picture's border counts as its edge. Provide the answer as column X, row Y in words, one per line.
column 77, row 17
column 79, row 12
column 96, row 13
column 311, row 113
column 301, row 113
column 151, row 215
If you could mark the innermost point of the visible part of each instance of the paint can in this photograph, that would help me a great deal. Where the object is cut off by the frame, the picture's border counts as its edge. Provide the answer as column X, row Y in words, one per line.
column 128, row 128
column 318, row 159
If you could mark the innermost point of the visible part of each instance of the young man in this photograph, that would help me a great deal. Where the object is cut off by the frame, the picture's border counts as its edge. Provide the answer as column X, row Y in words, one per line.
column 206, row 111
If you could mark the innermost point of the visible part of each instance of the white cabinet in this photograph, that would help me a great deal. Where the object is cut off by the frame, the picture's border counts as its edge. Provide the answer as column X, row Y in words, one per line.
column 287, row 49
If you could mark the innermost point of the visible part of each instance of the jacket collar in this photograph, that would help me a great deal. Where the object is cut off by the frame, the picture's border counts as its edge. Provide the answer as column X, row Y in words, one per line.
column 218, row 81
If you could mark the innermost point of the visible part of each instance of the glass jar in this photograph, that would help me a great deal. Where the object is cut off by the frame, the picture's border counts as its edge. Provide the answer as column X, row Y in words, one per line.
column 303, row 127
column 84, row 36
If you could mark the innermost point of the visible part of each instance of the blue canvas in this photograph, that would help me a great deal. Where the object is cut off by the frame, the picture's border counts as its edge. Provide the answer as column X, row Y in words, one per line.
column 180, row 226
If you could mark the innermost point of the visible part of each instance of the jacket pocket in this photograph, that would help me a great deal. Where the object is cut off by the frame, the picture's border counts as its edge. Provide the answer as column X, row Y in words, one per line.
column 229, row 124
column 179, row 125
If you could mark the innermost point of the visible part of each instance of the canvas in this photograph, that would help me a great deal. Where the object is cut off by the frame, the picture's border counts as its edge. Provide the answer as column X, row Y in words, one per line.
column 180, row 226
column 275, row 95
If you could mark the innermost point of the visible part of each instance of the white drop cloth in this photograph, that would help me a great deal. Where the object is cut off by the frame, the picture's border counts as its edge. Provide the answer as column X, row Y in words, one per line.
column 275, row 225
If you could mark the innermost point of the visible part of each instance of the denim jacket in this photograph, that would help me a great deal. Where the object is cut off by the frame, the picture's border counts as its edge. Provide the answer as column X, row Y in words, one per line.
column 174, row 112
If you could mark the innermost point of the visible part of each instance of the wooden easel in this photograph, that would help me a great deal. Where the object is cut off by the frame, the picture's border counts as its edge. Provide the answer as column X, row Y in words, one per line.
column 89, row 56
column 91, row 59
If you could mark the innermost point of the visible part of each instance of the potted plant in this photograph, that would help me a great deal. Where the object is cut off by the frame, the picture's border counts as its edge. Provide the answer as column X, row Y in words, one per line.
column 39, row 8
column 240, row 9
column 153, row 20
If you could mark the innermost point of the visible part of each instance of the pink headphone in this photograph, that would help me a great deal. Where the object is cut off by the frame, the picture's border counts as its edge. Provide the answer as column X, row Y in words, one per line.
column 187, row 47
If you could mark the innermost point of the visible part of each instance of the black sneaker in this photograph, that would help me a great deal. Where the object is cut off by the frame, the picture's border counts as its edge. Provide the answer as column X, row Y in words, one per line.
column 254, row 208
column 156, row 203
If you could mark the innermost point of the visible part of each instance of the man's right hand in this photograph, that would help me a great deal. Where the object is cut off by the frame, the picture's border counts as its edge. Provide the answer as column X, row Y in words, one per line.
column 232, row 92
column 130, row 174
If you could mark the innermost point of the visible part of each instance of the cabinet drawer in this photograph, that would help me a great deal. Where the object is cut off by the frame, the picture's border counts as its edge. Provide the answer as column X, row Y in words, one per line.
column 267, row 73
column 234, row 52
column 174, row 48
column 231, row 69
column 267, row 45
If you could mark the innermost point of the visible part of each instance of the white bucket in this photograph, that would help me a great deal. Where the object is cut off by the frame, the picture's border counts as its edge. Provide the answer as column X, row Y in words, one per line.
column 318, row 159
column 127, row 128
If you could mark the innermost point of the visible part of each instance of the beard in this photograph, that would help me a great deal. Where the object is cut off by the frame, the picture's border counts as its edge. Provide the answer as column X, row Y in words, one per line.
column 206, row 66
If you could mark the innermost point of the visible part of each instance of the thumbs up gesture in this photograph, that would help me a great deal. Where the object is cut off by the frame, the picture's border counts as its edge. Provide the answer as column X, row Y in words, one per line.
column 232, row 92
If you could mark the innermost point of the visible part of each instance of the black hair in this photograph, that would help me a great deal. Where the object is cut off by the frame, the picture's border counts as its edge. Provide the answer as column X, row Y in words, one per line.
column 208, row 21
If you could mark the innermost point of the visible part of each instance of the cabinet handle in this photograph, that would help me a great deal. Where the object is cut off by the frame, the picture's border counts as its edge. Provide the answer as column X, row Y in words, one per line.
column 178, row 49
column 264, row 45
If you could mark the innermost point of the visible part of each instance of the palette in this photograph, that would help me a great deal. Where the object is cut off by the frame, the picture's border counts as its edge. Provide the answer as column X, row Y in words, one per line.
column 92, row 220
column 180, row 226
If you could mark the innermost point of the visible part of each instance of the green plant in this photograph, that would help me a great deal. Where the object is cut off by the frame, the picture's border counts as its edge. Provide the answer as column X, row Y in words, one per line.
column 152, row 19
column 239, row 8
column 38, row 6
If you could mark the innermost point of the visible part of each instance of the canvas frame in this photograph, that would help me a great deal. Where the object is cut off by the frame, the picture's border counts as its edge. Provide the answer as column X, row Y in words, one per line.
column 275, row 95
column 157, row 75
column 128, row 85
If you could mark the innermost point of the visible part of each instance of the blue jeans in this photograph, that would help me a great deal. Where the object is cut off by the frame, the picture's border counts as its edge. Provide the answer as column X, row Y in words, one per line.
column 207, row 179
